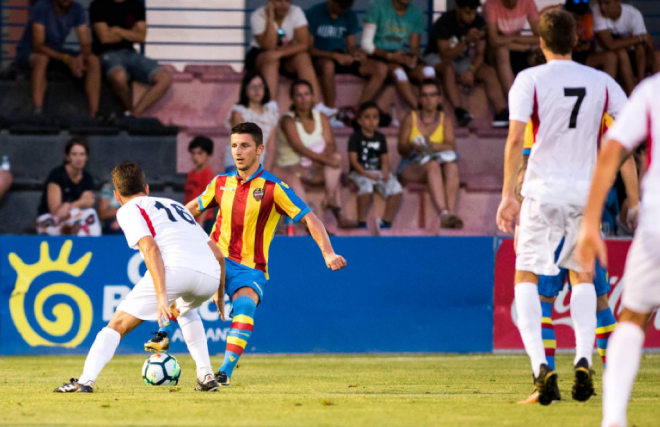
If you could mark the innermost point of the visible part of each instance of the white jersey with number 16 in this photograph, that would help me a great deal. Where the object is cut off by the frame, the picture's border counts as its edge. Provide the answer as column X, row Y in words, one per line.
column 565, row 102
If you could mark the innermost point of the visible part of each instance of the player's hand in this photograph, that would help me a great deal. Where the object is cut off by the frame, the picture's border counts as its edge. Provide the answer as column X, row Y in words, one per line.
column 335, row 262
column 506, row 213
column 219, row 301
column 474, row 35
column 648, row 41
column 411, row 61
column 359, row 56
column 164, row 314
column 270, row 10
column 77, row 66
column 63, row 211
column 373, row 175
column 589, row 247
column 399, row 57
column 343, row 58
column 632, row 217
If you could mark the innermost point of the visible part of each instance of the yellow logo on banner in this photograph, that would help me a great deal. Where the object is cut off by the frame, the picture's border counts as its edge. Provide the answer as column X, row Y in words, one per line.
column 63, row 313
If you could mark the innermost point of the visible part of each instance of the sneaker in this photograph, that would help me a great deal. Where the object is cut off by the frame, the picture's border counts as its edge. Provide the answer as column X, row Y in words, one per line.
column 209, row 384
column 501, row 119
column 336, row 123
column 583, row 382
column 74, row 387
column 158, row 344
column 222, row 379
column 546, row 385
column 463, row 117
column 322, row 108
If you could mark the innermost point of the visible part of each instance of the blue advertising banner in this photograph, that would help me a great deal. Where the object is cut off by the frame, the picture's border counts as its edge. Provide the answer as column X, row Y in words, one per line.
column 397, row 295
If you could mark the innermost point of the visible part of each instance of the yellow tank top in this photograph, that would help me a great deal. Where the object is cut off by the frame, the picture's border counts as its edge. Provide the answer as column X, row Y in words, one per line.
column 438, row 135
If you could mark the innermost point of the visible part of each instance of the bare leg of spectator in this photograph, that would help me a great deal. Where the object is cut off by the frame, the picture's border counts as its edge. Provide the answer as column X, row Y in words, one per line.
column 403, row 86
column 606, row 61
column 160, row 84
column 452, row 183
column 39, row 64
column 640, row 59
column 269, row 66
column 486, row 74
column 391, row 206
column 332, row 177
column 325, row 68
column 93, row 83
column 626, row 77
column 431, row 174
column 301, row 64
column 376, row 73
column 6, row 180
column 451, row 87
column 119, row 82
column 504, row 71
column 363, row 202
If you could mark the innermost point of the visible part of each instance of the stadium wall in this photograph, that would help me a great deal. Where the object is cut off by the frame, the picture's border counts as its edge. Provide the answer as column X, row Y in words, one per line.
column 397, row 295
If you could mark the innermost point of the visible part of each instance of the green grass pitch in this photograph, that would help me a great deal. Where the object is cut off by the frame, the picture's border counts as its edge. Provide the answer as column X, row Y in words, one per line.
column 361, row 390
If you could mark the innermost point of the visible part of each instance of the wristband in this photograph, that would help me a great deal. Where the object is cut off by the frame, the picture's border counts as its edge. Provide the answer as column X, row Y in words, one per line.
column 66, row 59
column 473, row 68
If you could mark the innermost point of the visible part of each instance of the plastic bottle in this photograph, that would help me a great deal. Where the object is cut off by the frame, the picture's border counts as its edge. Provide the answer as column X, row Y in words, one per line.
column 5, row 163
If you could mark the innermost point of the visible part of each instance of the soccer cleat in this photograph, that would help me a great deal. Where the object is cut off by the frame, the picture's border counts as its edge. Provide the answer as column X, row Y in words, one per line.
column 546, row 385
column 209, row 384
column 74, row 387
column 583, row 382
column 158, row 344
column 532, row 398
column 222, row 379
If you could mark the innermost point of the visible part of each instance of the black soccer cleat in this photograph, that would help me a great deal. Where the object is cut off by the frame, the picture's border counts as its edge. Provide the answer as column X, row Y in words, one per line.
column 583, row 382
column 209, row 384
column 222, row 379
column 74, row 387
column 546, row 385
column 160, row 343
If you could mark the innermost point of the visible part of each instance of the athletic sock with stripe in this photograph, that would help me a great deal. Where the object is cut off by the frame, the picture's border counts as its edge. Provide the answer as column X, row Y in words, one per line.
column 239, row 334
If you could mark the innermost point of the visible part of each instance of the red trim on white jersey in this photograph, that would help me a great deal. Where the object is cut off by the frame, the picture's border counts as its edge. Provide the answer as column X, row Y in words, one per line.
column 601, row 128
column 536, row 121
column 649, row 145
column 145, row 215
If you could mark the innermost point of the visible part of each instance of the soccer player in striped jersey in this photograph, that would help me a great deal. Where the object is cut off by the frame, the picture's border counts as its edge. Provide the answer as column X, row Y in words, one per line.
column 251, row 201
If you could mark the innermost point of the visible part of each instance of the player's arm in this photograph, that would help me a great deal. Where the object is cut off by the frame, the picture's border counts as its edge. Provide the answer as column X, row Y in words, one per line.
column 510, row 207
column 205, row 201
column 320, row 236
column 137, row 34
column 610, row 43
column 154, row 261
column 219, row 297
column 631, row 183
column 194, row 208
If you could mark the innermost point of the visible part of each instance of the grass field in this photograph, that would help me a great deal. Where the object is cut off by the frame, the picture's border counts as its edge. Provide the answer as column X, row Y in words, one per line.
column 471, row 390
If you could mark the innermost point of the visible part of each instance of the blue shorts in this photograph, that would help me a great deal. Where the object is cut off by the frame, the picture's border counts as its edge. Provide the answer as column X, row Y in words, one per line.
column 239, row 276
column 137, row 66
column 550, row 286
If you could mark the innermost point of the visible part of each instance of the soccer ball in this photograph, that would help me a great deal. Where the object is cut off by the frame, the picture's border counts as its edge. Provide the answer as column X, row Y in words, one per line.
column 161, row 369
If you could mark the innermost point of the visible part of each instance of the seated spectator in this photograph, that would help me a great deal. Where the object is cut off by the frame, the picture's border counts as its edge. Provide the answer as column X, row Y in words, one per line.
column 390, row 25
column 510, row 51
column 201, row 150
column 67, row 203
column 306, row 150
column 280, row 45
column 426, row 145
column 370, row 167
column 6, row 179
column 118, row 25
column 42, row 47
column 620, row 28
column 254, row 105
column 107, row 210
column 457, row 47
column 333, row 27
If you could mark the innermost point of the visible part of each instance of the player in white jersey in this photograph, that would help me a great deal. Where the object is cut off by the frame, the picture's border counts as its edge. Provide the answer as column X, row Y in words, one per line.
column 565, row 102
column 183, row 265
column 639, row 121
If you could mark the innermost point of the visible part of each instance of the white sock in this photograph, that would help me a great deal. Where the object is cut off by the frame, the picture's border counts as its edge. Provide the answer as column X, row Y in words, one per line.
column 583, row 313
column 624, row 352
column 528, row 307
column 100, row 354
column 193, row 332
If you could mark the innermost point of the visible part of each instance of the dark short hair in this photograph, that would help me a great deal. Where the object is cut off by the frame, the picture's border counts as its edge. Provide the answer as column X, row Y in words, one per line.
column 557, row 29
column 579, row 7
column 76, row 140
column 472, row 4
column 366, row 106
column 243, row 97
column 251, row 129
column 299, row 82
column 128, row 179
column 345, row 4
column 431, row 82
column 203, row 142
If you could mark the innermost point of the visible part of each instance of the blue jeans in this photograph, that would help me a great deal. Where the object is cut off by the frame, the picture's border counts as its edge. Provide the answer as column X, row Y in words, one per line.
column 137, row 66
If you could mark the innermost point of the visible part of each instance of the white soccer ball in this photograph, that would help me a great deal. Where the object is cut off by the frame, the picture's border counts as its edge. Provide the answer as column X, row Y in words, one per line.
column 161, row 369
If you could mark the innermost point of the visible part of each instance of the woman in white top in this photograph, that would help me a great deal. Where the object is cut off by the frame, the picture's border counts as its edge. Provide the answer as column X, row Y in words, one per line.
column 254, row 105
column 306, row 149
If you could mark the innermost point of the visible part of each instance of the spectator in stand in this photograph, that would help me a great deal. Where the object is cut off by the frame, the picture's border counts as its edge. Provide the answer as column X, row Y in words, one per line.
column 254, row 105
column 201, row 150
column 370, row 167
column 280, row 45
column 457, row 47
column 509, row 50
column 67, row 203
column 42, row 47
column 390, row 25
column 107, row 210
column 427, row 147
column 333, row 27
column 118, row 25
column 620, row 28
column 6, row 179
column 306, row 150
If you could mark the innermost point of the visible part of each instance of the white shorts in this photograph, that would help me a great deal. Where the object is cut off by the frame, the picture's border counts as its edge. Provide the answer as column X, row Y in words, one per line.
column 641, row 278
column 189, row 288
column 542, row 228
column 368, row 185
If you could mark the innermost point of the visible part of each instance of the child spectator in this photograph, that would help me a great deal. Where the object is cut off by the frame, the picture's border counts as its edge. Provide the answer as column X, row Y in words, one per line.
column 370, row 167
column 200, row 149
column 107, row 209
column 457, row 47
column 332, row 29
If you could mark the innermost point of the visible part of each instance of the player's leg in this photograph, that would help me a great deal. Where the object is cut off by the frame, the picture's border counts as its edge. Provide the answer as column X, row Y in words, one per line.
column 160, row 342
column 606, row 322
column 376, row 74
column 403, row 86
